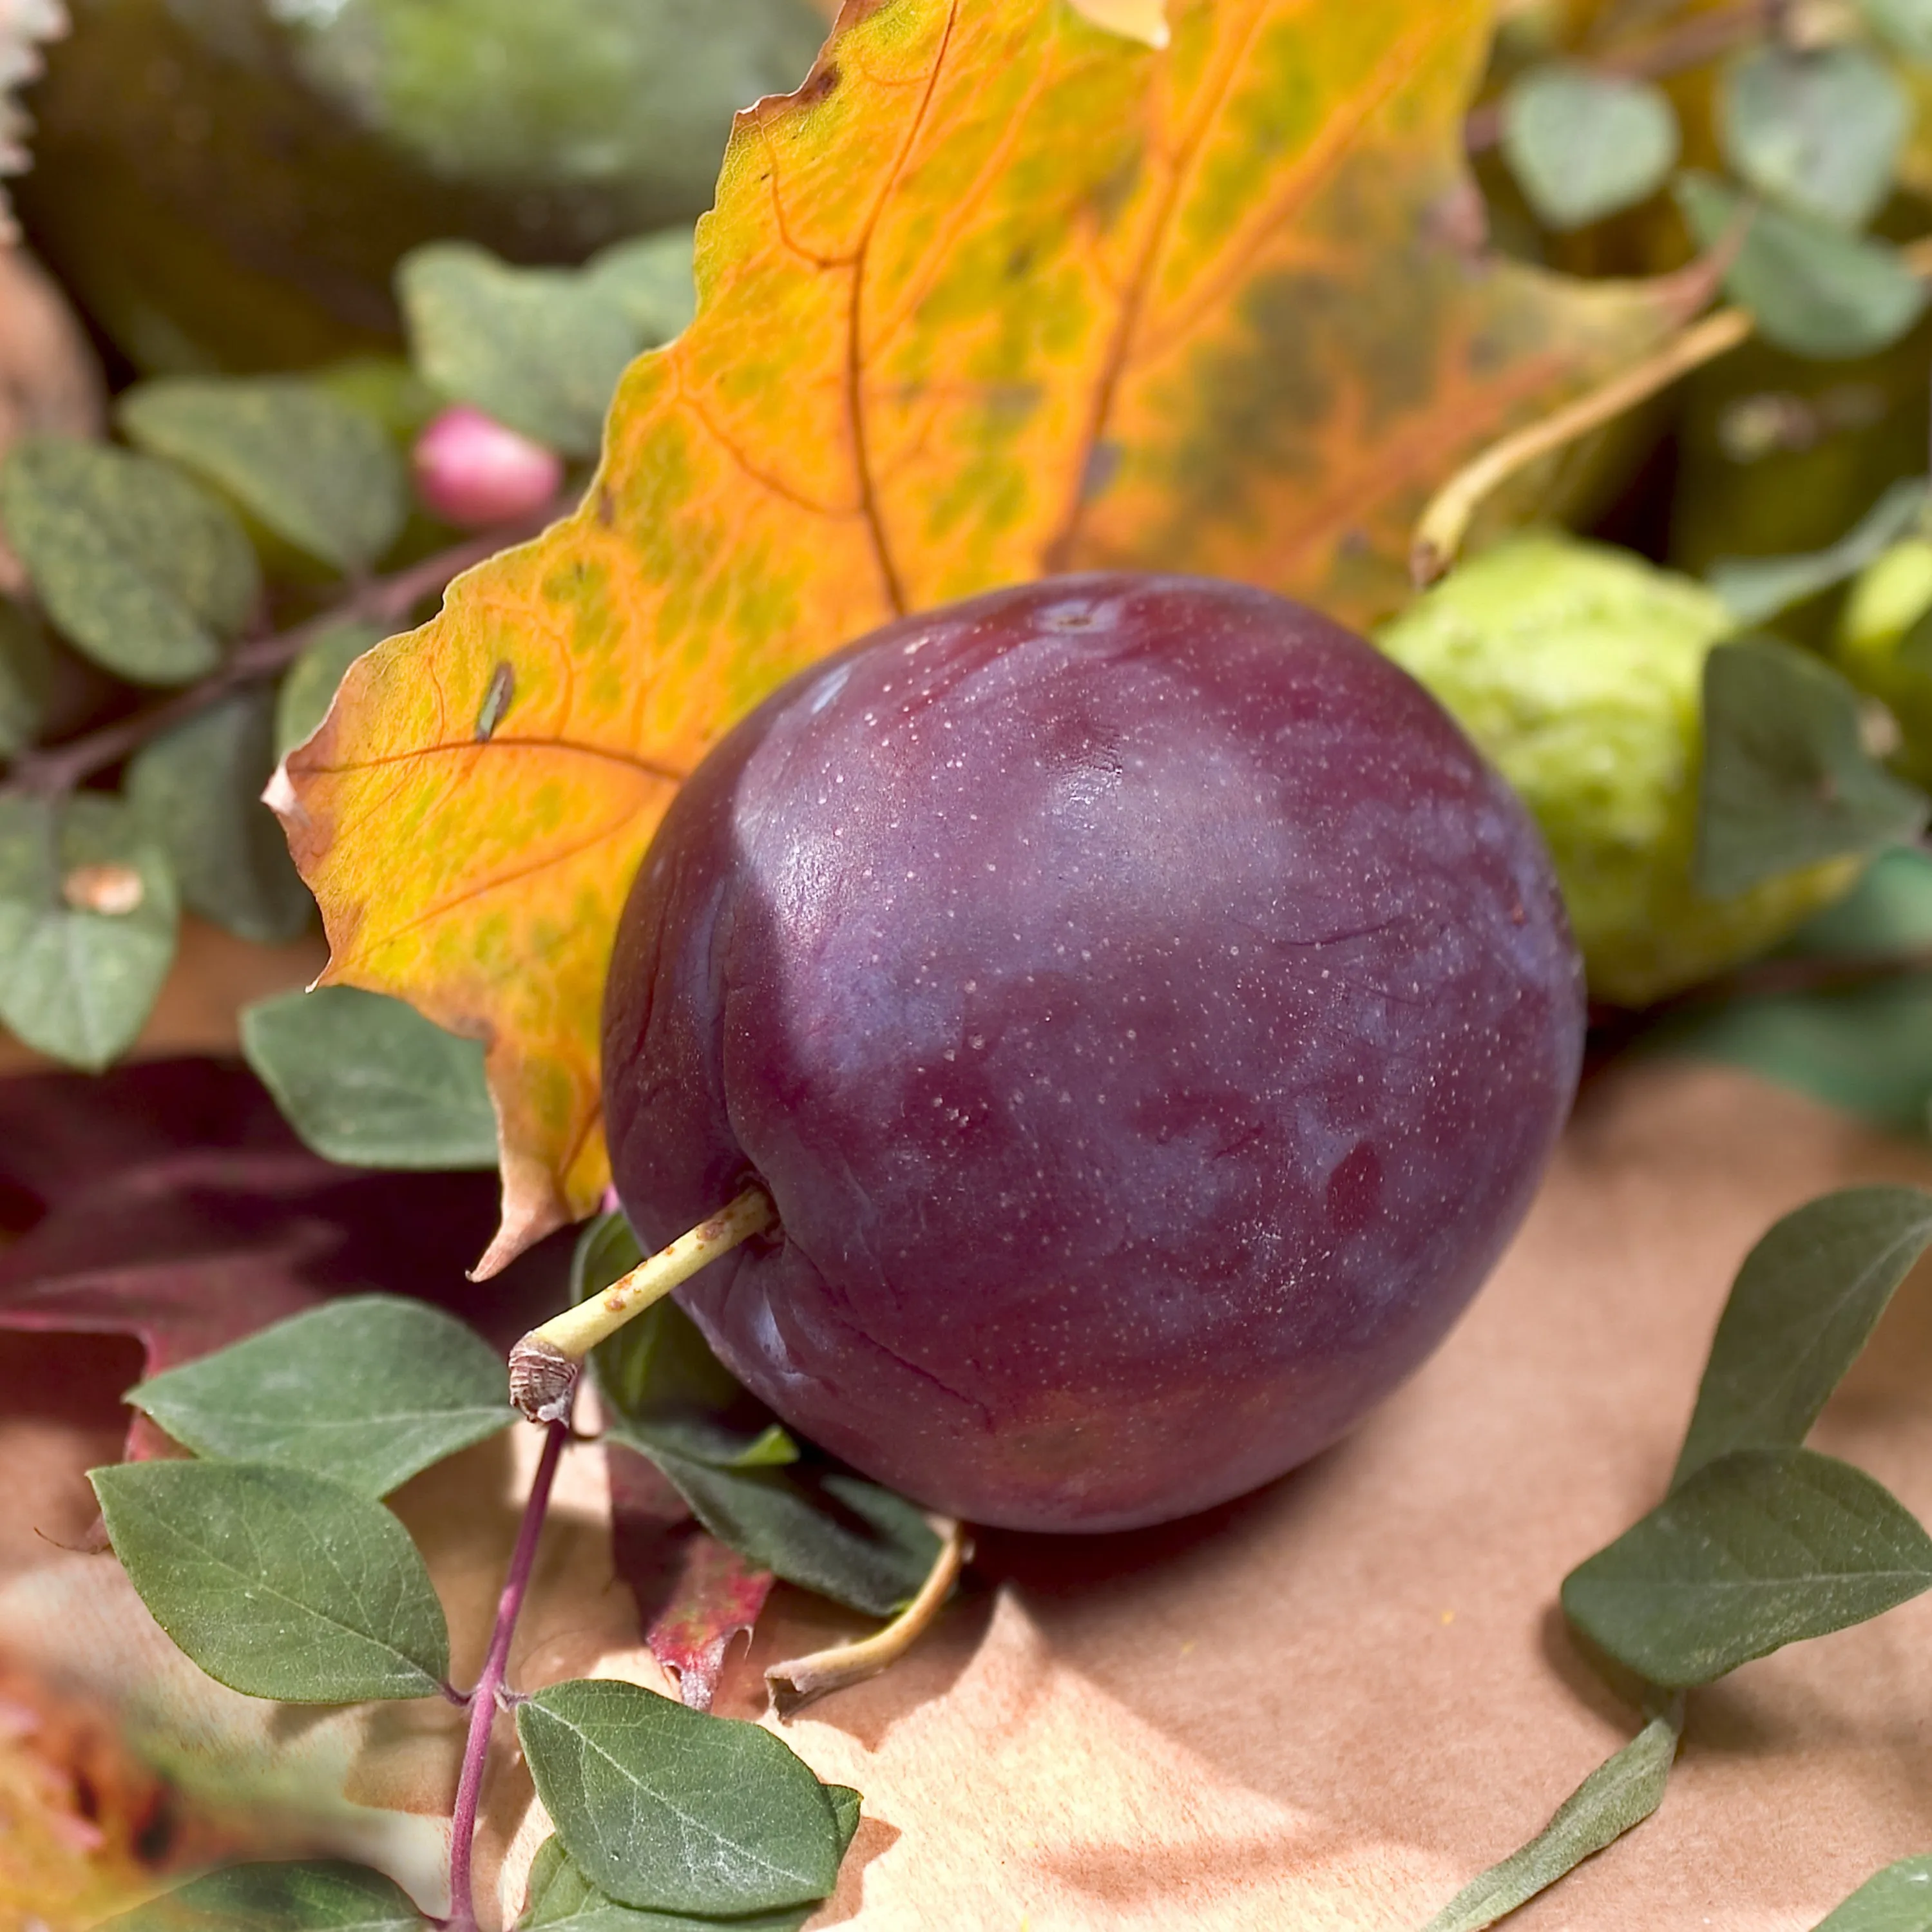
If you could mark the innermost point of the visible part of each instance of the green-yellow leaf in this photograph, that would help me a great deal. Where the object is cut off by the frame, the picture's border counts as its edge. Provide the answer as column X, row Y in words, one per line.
column 998, row 291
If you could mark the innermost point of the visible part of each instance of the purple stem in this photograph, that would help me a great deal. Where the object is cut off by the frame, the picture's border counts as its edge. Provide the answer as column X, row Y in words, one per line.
column 483, row 1699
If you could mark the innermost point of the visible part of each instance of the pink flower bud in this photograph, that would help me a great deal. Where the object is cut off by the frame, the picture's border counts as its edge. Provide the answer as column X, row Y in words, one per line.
column 472, row 471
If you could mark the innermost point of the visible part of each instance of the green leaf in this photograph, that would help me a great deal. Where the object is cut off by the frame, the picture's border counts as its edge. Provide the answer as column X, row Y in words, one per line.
column 1819, row 130
column 672, row 1809
column 26, row 677
column 366, row 1080
column 658, row 1375
column 315, row 470
column 197, row 789
column 88, row 919
column 1866, row 1048
column 1621, row 1792
column 138, row 564
column 1761, row 1548
column 1907, row 24
column 368, row 1390
column 308, row 688
column 651, row 280
column 1582, row 144
column 1807, row 1297
column 278, row 1582
column 668, row 1396
column 540, row 350
column 1814, row 289
column 1898, row 1899
column 1786, row 781
column 314, row 1895
column 561, row 1899
column 1757, row 588
column 819, row 1526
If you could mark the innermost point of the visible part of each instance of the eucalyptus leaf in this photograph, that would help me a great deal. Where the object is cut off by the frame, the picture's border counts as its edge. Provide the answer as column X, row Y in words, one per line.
column 366, row 1080
column 658, row 1373
column 1806, row 1299
column 817, row 1526
column 1582, row 144
column 313, row 469
column 368, row 1390
column 197, row 789
column 1898, row 1899
column 1785, row 780
column 277, row 1582
column 26, row 678
column 539, row 349
column 1621, row 1792
column 559, row 1898
column 134, row 562
column 312, row 1895
column 88, row 921
column 1756, row 588
column 1906, row 24
column 309, row 685
column 1814, row 289
column 1819, row 130
column 668, row 1808
column 1761, row 1548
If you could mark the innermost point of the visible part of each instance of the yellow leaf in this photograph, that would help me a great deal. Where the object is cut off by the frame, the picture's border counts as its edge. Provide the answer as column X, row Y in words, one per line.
column 998, row 292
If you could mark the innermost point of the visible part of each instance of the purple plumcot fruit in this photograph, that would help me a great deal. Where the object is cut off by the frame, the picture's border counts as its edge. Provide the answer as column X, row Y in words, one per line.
column 1148, row 1014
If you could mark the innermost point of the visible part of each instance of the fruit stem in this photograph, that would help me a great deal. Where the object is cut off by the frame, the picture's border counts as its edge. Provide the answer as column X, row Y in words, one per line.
column 544, row 1365
column 797, row 1683
column 483, row 1699
column 1445, row 521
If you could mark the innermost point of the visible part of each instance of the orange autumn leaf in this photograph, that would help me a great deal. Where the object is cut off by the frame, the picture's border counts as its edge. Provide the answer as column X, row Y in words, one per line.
column 997, row 292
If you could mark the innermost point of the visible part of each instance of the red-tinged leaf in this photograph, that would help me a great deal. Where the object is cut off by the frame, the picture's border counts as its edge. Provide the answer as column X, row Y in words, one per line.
column 167, row 1201
column 693, row 1595
column 716, row 1595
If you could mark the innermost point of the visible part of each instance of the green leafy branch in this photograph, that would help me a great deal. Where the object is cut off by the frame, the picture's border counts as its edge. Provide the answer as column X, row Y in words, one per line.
column 1760, row 1543
column 270, row 1559
column 243, row 544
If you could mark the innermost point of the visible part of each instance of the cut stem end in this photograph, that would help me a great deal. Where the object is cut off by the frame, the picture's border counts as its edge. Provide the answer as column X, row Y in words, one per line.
column 544, row 1365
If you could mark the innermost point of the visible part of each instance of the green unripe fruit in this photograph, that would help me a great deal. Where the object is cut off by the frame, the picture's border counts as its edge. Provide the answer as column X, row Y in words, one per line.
column 1578, row 669
column 1876, row 647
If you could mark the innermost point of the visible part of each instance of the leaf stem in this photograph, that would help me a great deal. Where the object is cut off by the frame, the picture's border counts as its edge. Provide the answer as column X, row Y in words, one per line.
column 797, row 1683
column 483, row 1699
column 1446, row 519
column 58, row 769
column 544, row 1365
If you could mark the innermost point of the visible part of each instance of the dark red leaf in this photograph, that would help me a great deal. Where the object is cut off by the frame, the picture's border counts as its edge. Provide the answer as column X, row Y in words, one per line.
column 694, row 1595
column 168, row 1201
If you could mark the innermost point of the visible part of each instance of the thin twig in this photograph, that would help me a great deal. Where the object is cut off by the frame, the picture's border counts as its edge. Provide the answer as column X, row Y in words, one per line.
column 58, row 769
column 1445, row 520
column 483, row 1700
column 797, row 1683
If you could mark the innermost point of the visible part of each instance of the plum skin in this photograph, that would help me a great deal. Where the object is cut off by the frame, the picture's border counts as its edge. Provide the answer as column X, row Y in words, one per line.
column 1149, row 1016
